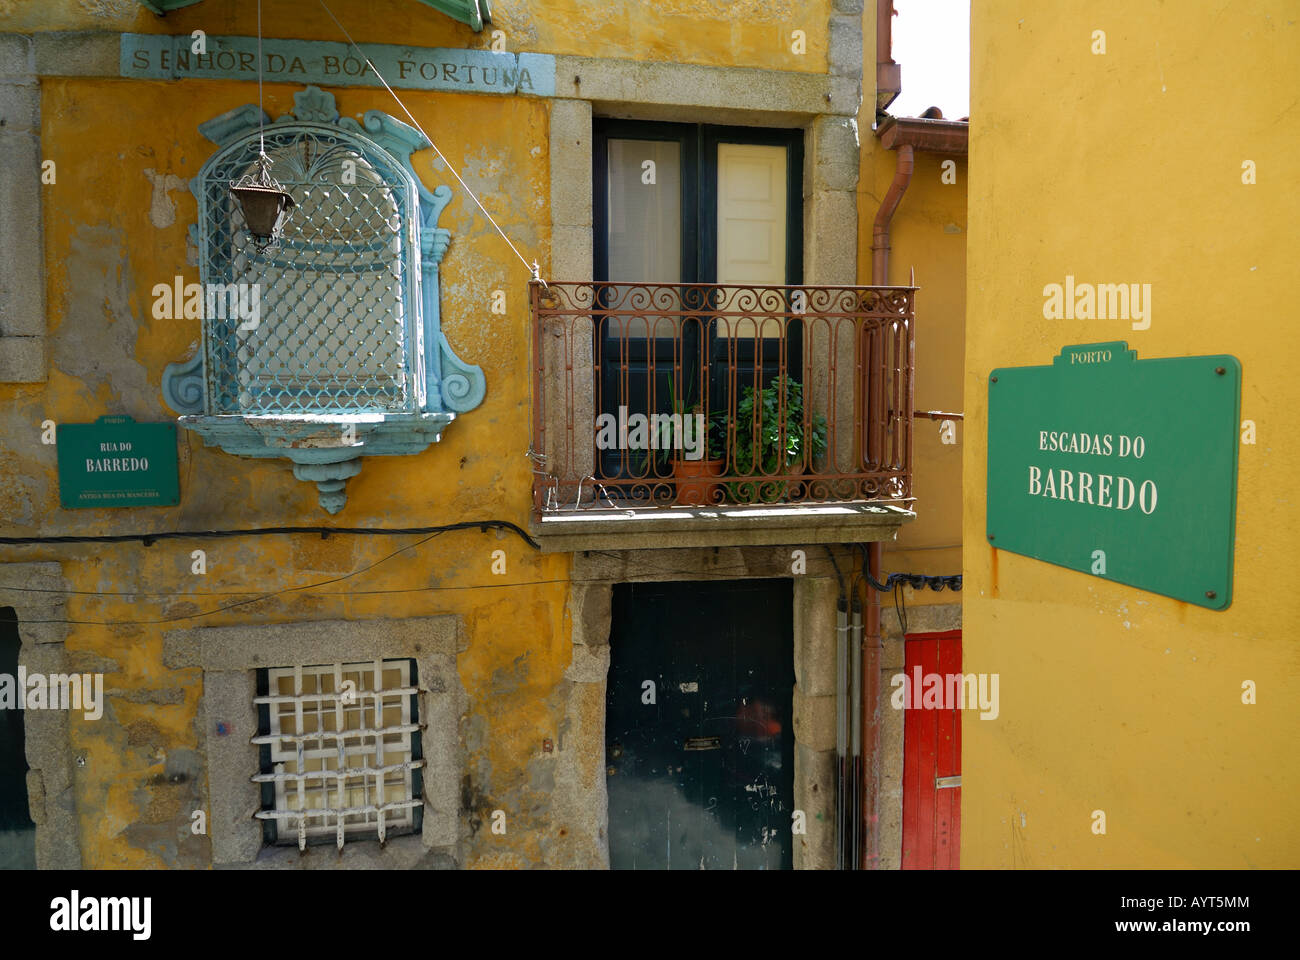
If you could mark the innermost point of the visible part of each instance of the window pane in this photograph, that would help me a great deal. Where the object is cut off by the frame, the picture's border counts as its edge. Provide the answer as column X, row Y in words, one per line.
column 645, row 221
column 751, row 225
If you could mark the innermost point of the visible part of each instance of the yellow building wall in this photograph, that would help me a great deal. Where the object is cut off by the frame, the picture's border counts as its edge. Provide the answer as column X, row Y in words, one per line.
column 1127, row 167
column 928, row 236
column 725, row 33
column 110, row 236
column 116, row 222
column 104, row 252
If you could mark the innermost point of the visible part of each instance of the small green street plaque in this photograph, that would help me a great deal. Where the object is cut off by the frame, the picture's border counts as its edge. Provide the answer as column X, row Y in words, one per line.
column 116, row 462
column 1121, row 468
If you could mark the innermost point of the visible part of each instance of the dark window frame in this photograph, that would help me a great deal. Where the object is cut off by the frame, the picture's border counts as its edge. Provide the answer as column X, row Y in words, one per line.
column 699, row 262
column 699, row 205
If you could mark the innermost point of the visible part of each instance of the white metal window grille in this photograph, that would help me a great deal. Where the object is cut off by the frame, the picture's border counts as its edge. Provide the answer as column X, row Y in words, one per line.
column 334, row 292
column 343, row 741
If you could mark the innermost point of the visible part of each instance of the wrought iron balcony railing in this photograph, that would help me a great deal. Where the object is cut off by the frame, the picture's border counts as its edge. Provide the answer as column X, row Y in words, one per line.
column 655, row 395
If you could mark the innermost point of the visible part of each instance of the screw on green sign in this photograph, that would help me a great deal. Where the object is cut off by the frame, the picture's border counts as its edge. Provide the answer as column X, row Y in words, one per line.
column 1133, row 462
column 116, row 462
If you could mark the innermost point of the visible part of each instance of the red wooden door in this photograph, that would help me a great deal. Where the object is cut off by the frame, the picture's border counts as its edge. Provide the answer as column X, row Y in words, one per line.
column 931, row 757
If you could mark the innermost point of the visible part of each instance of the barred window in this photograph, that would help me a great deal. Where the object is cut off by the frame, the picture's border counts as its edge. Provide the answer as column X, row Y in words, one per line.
column 340, row 752
column 330, row 332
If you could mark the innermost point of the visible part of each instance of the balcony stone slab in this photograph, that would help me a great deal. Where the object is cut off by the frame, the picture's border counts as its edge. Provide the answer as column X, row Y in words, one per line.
column 649, row 528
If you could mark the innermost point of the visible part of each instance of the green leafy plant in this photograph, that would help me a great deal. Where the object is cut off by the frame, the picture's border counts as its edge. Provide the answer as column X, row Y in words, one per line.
column 655, row 460
column 770, row 439
column 715, row 444
column 677, row 408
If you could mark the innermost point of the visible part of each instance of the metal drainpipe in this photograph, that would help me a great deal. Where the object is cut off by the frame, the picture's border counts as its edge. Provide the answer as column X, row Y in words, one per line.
column 841, row 730
column 880, row 229
column 857, row 766
column 870, row 715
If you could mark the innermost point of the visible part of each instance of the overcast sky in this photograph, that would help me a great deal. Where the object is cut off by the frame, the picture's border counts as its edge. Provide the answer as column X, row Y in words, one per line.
column 932, row 43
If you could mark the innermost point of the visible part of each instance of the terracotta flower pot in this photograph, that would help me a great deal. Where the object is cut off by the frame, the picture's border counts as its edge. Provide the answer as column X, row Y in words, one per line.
column 694, row 488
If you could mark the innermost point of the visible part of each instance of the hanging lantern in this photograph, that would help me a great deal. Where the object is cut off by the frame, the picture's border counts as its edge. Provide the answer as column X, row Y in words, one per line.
column 264, row 203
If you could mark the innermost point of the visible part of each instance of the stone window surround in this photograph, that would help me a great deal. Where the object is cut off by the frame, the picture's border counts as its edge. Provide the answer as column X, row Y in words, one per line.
column 583, row 801
column 816, row 595
column 229, row 657
column 825, row 107
column 830, row 175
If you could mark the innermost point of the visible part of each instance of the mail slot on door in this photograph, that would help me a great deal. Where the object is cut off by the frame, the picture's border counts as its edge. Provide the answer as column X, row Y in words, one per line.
column 703, row 743
column 942, row 782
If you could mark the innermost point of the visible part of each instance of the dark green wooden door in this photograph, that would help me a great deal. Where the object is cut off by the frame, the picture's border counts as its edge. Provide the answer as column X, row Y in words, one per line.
column 698, row 741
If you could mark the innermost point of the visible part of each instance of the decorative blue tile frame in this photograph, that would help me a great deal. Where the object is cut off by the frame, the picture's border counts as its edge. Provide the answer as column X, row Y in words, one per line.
column 326, row 448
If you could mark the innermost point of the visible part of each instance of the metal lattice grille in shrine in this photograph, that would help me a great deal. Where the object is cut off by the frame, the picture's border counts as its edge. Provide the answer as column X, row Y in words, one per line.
column 316, row 322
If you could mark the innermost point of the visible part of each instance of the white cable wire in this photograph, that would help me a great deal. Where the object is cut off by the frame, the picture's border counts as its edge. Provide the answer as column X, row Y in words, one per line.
column 531, row 268
column 261, row 110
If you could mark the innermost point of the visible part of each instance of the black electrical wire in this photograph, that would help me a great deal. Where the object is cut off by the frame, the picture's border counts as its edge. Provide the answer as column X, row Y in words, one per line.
column 257, row 596
column 671, row 571
column 896, row 581
column 254, row 599
column 148, row 539
column 918, row 581
column 838, row 576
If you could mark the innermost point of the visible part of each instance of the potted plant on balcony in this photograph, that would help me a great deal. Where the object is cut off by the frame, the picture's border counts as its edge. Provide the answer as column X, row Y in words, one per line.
column 694, row 478
column 770, row 440
column 689, row 476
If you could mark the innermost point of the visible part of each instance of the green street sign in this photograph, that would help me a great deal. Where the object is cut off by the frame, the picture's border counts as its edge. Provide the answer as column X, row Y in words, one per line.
column 116, row 462
column 1121, row 468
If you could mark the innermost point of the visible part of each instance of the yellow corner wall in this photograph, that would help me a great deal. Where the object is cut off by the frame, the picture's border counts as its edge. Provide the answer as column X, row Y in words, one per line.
column 1127, row 167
